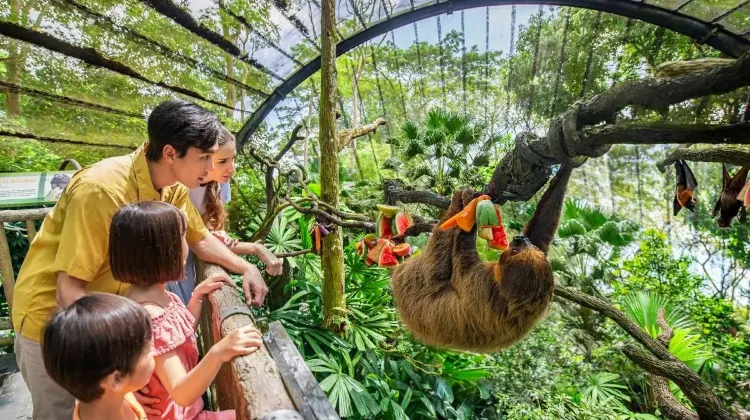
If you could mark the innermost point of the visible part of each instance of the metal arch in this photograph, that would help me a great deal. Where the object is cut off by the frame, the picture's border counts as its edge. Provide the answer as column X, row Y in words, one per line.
column 704, row 32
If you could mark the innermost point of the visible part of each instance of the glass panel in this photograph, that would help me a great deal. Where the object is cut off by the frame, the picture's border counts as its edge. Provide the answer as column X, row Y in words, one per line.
column 708, row 10
column 739, row 21
column 667, row 4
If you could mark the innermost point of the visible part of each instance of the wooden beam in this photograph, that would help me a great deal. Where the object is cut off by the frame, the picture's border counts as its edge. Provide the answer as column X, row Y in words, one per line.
column 93, row 57
column 31, row 136
column 184, row 19
column 107, row 21
column 23, row 215
column 6, row 268
column 30, row 230
column 304, row 389
column 66, row 100
column 252, row 384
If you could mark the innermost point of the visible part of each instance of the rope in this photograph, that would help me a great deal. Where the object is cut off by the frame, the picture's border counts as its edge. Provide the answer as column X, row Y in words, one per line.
column 561, row 62
column 463, row 61
column 625, row 41
column 369, row 136
column 590, row 59
column 510, row 58
column 535, row 63
column 442, row 63
column 486, row 61
column 563, row 131
column 380, row 89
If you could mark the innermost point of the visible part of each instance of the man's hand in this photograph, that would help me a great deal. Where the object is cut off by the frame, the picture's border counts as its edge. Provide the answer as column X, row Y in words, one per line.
column 146, row 402
column 254, row 286
column 274, row 266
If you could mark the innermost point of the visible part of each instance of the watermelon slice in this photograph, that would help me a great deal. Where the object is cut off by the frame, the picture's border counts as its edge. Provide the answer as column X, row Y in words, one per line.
column 387, row 258
column 374, row 253
column 401, row 223
column 388, row 211
column 383, row 226
column 486, row 214
column 402, row 250
column 499, row 238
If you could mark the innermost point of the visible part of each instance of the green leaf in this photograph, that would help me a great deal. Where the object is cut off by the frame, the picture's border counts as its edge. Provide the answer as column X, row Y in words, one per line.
column 443, row 390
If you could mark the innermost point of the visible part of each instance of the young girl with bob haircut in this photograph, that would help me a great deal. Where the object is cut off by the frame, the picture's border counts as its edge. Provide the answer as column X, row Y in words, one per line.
column 99, row 350
column 209, row 199
column 147, row 249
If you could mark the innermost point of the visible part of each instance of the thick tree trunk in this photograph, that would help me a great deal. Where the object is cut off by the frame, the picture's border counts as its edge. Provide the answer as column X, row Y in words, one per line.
column 334, row 300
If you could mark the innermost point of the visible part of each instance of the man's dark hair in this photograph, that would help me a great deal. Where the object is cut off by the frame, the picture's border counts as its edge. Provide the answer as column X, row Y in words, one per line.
column 145, row 243
column 181, row 125
column 97, row 335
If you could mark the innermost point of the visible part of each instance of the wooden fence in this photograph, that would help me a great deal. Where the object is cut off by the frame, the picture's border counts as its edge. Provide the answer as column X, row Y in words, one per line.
column 272, row 383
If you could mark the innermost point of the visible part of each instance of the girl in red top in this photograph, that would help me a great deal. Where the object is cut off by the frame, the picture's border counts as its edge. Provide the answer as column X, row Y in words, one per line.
column 148, row 249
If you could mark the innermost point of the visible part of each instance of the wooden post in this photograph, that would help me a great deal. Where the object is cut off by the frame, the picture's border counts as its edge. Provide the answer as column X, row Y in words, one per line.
column 252, row 385
column 6, row 268
column 30, row 230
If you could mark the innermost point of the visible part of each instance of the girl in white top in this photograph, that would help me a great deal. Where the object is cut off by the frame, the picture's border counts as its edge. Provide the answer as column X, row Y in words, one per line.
column 209, row 199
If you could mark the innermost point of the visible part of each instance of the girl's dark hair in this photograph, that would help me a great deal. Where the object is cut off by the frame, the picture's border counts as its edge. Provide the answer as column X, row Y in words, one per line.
column 95, row 336
column 215, row 215
column 181, row 125
column 145, row 243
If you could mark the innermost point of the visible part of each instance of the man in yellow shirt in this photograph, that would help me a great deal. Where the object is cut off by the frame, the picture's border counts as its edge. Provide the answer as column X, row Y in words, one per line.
column 68, row 257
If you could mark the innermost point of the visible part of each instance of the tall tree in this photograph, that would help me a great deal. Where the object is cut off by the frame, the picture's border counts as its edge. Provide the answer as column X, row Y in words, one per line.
column 334, row 300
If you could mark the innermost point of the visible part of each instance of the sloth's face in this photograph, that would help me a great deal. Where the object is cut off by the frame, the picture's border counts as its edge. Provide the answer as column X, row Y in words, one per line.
column 520, row 251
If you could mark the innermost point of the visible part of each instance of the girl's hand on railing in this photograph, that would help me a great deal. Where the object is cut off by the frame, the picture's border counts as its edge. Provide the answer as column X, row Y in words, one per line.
column 210, row 284
column 240, row 342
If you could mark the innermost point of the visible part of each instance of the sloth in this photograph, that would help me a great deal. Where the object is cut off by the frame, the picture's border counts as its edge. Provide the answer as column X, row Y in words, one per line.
column 449, row 298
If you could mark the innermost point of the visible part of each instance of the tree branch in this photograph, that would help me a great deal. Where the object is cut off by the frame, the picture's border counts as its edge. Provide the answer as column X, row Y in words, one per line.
column 664, row 134
column 295, row 137
column 347, row 135
column 627, row 324
column 394, row 192
column 668, row 404
column 659, row 93
column 657, row 360
column 735, row 155
column 367, row 226
column 525, row 169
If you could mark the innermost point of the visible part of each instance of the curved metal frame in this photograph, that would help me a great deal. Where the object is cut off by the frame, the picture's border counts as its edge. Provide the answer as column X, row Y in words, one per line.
column 703, row 32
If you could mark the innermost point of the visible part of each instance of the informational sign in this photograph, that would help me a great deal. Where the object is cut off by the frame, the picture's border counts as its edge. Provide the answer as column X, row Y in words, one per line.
column 32, row 188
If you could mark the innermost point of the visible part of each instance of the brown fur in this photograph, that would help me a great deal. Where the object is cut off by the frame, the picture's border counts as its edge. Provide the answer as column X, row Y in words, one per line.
column 728, row 206
column 449, row 298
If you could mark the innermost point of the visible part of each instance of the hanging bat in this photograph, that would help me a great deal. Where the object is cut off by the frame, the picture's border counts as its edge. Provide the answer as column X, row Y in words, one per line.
column 728, row 206
column 684, row 195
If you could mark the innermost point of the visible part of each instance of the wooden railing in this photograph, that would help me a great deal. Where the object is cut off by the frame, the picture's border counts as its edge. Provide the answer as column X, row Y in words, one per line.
column 6, row 264
column 272, row 383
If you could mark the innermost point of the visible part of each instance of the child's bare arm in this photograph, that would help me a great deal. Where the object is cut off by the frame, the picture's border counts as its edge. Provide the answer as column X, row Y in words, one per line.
column 186, row 387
